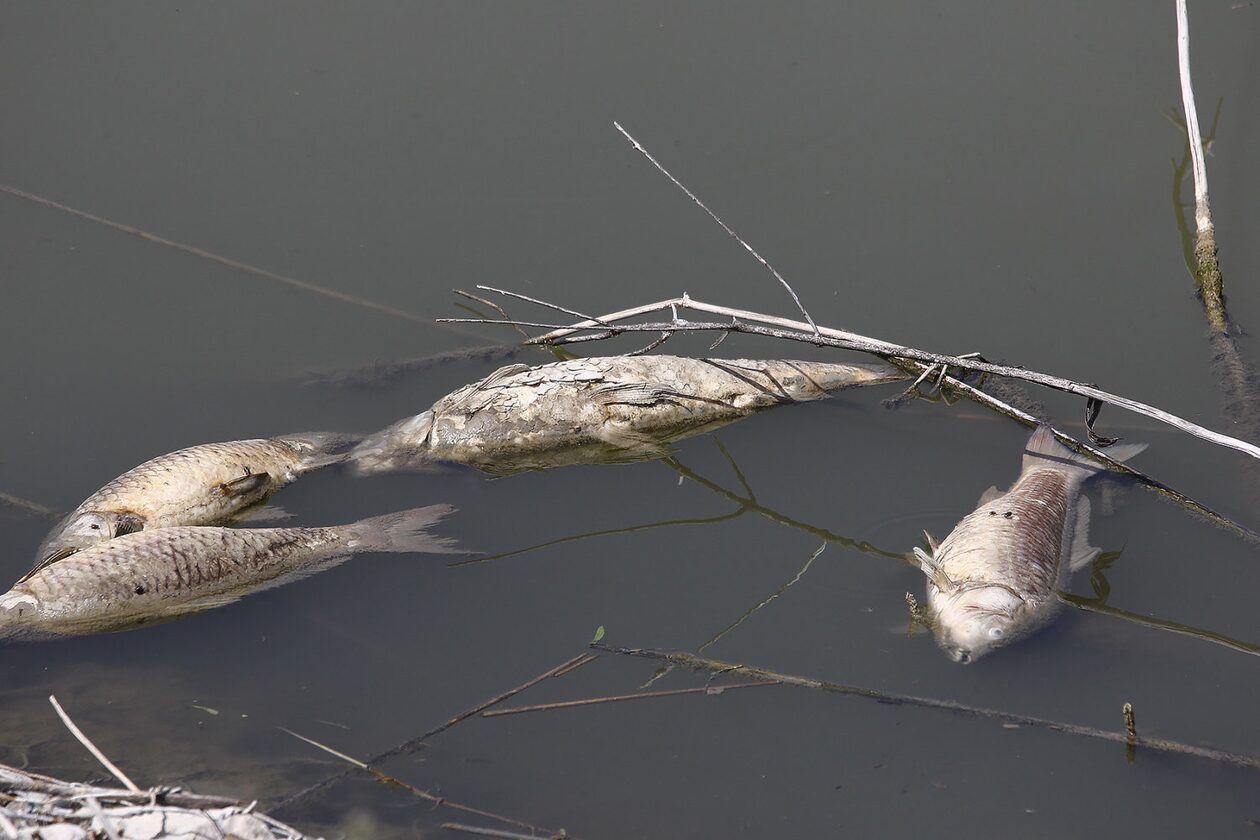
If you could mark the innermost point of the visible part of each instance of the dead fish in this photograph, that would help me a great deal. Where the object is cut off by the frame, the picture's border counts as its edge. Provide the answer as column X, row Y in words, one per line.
column 210, row 484
column 992, row 581
column 603, row 409
column 158, row 574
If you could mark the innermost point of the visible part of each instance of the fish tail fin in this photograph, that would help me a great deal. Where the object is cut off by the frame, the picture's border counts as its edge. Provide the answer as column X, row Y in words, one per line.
column 404, row 531
column 322, row 449
column 1044, row 448
column 400, row 446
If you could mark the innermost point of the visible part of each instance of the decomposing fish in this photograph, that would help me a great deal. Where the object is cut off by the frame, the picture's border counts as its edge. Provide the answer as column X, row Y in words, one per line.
column 210, row 484
column 161, row 573
column 992, row 581
column 603, row 409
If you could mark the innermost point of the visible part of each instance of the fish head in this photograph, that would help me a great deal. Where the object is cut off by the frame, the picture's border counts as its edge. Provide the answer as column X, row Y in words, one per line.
column 86, row 529
column 16, row 607
column 974, row 621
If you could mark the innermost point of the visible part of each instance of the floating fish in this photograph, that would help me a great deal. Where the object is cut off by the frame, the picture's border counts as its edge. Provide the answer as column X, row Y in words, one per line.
column 992, row 581
column 162, row 573
column 599, row 410
column 210, row 484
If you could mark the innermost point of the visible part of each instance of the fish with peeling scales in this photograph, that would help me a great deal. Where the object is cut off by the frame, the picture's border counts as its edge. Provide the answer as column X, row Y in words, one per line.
column 210, row 484
column 599, row 410
column 992, row 581
column 162, row 573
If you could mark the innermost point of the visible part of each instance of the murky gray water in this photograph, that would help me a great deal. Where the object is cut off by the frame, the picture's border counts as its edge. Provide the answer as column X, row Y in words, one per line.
column 992, row 178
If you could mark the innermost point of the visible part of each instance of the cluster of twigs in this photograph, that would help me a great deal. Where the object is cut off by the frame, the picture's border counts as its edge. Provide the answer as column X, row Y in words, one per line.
column 34, row 806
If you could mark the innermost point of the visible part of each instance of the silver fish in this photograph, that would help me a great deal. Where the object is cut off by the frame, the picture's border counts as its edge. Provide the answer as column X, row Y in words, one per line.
column 599, row 410
column 159, row 574
column 992, row 581
column 210, row 484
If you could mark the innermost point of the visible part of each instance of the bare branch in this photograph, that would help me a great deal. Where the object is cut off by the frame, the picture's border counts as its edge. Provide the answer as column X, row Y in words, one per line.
column 721, row 223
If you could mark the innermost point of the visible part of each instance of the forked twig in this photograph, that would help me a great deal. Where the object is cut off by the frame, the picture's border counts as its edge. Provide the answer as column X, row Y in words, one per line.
column 777, row 276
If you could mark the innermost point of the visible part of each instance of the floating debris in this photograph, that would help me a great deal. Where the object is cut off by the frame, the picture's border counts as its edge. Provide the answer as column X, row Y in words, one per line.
column 992, row 581
column 612, row 409
column 210, row 484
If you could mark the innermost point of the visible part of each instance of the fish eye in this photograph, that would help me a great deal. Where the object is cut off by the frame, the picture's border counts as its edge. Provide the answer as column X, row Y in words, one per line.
column 996, row 632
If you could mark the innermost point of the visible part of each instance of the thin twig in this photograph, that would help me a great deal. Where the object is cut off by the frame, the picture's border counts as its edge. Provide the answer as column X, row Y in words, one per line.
column 639, row 148
column 207, row 255
column 494, row 832
column 618, row 698
column 417, row 742
column 412, row 789
column 83, row 739
column 721, row 634
column 688, row 660
column 29, row 506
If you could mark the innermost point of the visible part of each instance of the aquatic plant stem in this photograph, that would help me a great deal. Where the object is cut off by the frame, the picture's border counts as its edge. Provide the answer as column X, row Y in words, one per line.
column 1207, row 266
column 688, row 660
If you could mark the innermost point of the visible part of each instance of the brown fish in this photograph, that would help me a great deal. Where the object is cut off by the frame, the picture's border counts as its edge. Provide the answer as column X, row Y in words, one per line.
column 158, row 574
column 992, row 581
column 210, row 484
column 599, row 410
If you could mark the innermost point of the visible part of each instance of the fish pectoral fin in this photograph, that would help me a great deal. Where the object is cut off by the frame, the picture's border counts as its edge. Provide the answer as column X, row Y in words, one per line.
column 989, row 495
column 1082, row 553
column 643, row 394
column 246, row 485
column 933, row 570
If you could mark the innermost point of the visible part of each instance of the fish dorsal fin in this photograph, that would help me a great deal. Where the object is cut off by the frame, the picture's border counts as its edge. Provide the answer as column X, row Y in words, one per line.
column 989, row 495
column 932, row 541
column 933, row 570
column 1082, row 553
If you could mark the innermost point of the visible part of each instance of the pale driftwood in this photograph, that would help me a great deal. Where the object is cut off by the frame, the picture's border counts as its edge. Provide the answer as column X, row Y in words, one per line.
column 688, row 660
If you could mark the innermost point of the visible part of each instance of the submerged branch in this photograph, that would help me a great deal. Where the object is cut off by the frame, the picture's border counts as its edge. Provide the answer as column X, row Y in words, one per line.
column 698, row 663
